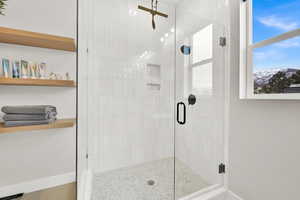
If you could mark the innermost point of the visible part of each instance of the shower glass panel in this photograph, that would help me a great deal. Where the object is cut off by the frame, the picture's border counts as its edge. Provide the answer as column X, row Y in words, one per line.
column 131, row 103
column 141, row 145
column 200, row 74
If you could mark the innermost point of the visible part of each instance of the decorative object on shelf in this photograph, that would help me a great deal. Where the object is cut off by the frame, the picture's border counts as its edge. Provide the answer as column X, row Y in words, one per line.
column 59, row 77
column 6, row 67
column 32, row 71
column 55, row 76
column 38, row 71
column 24, row 69
column 42, row 70
column 52, row 76
column 25, row 73
column 68, row 76
column 2, row 6
column 16, row 69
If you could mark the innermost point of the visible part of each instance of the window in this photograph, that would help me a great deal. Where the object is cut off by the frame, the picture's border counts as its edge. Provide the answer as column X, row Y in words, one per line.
column 270, row 49
column 202, row 79
column 200, row 62
column 202, row 44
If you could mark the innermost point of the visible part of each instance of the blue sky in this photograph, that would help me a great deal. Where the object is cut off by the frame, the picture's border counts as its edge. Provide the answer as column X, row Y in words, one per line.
column 272, row 18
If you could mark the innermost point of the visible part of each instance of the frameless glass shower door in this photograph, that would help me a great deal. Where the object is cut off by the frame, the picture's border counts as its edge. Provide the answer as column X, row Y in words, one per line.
column 200, row 94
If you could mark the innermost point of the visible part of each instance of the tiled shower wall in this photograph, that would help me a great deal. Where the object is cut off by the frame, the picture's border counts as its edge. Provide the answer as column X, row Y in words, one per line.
column 131, row 117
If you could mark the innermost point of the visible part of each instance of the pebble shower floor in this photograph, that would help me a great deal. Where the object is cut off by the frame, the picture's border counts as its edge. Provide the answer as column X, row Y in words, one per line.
column 149, row 181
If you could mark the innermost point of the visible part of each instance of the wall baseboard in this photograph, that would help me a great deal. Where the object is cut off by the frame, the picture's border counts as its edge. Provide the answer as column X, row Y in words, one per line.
column 37, row 185
column 218, row 194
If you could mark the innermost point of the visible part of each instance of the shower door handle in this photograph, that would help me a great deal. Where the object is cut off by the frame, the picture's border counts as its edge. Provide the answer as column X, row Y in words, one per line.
column 181, row 104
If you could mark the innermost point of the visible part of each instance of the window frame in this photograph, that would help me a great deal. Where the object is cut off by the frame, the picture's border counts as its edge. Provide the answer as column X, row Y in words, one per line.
column 246, row 54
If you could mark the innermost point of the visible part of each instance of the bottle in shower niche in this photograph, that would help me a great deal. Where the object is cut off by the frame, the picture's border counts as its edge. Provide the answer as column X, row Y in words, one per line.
column 16, row 69
column 24, row 69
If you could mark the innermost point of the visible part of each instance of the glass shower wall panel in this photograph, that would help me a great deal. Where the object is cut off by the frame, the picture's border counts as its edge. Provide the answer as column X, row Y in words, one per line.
column 131, row 101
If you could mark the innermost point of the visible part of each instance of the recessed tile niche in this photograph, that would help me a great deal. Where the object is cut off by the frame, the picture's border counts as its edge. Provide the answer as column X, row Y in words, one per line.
column 153, row 76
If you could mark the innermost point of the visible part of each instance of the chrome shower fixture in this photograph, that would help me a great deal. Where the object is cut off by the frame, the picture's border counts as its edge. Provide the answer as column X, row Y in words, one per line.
column 153, row 11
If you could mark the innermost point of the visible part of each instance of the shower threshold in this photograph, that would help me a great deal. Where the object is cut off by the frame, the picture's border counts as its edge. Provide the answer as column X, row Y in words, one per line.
column 149, row 181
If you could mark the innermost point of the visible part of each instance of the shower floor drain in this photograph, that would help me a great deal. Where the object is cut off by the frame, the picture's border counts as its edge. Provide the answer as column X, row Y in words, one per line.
column 151, row 182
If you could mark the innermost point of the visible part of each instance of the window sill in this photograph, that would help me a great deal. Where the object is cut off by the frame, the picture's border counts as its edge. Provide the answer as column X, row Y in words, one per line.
column 272, row 97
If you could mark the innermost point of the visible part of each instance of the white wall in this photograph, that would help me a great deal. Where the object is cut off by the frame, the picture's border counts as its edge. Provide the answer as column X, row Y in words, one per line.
column 28, row 156
column 264, row 139
column 130, row 123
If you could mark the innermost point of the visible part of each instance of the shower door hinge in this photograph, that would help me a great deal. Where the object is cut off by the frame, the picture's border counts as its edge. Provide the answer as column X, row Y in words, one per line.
column 87, row 156
column 222, row 168
column 223, row 41
column 87, row 50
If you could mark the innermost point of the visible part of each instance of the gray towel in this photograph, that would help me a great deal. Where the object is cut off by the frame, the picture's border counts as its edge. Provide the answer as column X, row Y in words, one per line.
column 26, row 123
column 43, row 109
column 23, row 117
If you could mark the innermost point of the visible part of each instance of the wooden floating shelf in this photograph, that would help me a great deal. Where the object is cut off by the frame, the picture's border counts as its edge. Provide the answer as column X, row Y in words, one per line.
column 36, row 82
column 62, row 123
column 27, row 38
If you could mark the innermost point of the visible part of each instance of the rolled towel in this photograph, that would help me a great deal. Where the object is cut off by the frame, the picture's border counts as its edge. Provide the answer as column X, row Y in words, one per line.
column 30, row 110
column 23, row 117
column 26, row 123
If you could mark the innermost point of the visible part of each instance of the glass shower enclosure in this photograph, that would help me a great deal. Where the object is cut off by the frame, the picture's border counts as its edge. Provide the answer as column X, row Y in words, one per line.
column 151, row 99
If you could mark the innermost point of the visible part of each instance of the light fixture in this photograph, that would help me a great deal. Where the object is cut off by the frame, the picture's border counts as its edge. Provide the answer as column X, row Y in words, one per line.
column 162, row 39
column 172, row 30
column 167, row 35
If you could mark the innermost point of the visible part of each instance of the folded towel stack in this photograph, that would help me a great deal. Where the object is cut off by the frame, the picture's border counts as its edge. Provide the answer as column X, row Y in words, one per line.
column 28, row 115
